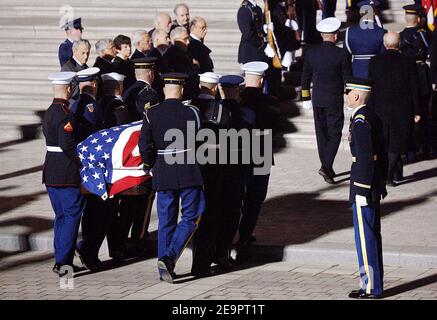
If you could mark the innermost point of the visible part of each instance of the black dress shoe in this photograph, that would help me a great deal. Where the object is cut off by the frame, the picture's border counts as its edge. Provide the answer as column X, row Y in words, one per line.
column 166, row 269
column 360, row 294
column 225, row 264
column 391, row 183
column 326, row 175
column 86, row 261
column 203, row 273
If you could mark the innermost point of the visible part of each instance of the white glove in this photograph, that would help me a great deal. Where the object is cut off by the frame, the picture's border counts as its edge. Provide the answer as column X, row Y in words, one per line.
column 292, row 24
column 360, row 201
column 308, row 105
column 268, row 26
column 287, row 59
column 269, row 51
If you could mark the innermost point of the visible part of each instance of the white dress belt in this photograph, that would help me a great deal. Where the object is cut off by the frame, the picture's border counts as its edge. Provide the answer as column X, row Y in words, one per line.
column 54, row 149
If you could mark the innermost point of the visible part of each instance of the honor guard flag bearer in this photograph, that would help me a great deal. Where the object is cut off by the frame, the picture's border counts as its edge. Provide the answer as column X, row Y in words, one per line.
column 367, row 187
column 61, row 171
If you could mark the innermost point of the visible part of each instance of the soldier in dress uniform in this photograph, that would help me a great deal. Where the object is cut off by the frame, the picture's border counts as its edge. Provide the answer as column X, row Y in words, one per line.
column 415, row 44
column 261, row 112
column 197, row 49
column 141, row 95
column 364, row 41
column 61, row 171
column 223, row 180
column 326, row 66
column 176, row 175
column 367, row 187
column 74, row 30
column 114, row 109
column 85, row 108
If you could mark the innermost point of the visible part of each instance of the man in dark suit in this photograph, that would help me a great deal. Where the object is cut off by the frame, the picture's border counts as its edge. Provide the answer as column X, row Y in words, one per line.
column 180, row 60
column 142, row 43
column 161, row 42
column 326, row 66
column 81, row 53
column 182, row 14
column 106, row 52
column 121, row 63
column 395, row 99
column 180, row 180
column 197, row 49
column 73, row 29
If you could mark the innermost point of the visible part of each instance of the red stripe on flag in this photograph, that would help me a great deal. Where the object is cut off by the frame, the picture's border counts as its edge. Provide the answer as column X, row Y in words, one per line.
column 127, row 183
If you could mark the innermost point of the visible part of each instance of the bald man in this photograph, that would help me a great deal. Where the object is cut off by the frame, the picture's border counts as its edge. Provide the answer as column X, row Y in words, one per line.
column 395, row 99
column 162, row 22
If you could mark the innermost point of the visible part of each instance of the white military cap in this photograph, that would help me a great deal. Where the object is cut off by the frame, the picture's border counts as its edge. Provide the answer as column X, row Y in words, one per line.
column 63, row 77
column 113, row 76
column 87, row 74
column 328, row 25
column 255, row 67
column 209, row 77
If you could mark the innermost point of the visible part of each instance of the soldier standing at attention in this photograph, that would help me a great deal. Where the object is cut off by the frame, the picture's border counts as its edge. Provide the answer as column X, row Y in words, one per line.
column 61, row 170
column 175, row 177
column 326, row 66
column 367, row 187
column 364, row 41
column 73, row 29
column 141, row 95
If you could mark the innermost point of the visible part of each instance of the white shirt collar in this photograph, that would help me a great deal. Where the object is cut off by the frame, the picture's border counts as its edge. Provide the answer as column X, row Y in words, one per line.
column 144, row 81
column 206, row 96
column 77, row 61
column 356, row 109
column 194, row 37
column 253, row 2
column 70, row 40
column 120, row 56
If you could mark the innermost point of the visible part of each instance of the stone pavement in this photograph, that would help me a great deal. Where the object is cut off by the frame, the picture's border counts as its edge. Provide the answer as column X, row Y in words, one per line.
column 29, row 276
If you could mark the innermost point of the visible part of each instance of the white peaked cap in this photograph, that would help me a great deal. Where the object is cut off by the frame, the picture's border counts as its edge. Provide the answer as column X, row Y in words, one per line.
column 63, row 77
column 113, row 76
column 209, row 77
column 255, row 67
column 329, row 25
column 88, row 72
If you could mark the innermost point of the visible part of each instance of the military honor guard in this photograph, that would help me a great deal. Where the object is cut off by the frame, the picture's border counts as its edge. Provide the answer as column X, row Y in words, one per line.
column 364, row 41
column 223, row 180
column 174, row 179
column 367, row 187
column 141, row 94
column 73, row 29
column 61, row 171
column 114, row 109
column 326, row 66
column 261, row 113
column 415, row 44
column 85, row 108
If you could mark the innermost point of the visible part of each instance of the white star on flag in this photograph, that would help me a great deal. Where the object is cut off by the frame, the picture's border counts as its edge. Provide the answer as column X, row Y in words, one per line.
column 100, row 186
column 94, row 141
column 109, row 140
column 91, row 157
column 106, row 174
column 85, row 178
column 106, row 156
column 101, row 165
column 96, row 175
column 83, row 169
column 98, row 148
column 81, row 157
column 116, row 129
column 104, row 133
column 84, row 148
column 90, row 165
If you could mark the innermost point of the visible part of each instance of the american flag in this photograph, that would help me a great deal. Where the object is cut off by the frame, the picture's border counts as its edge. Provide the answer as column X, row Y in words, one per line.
column 431, row 12
column 111, row 157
